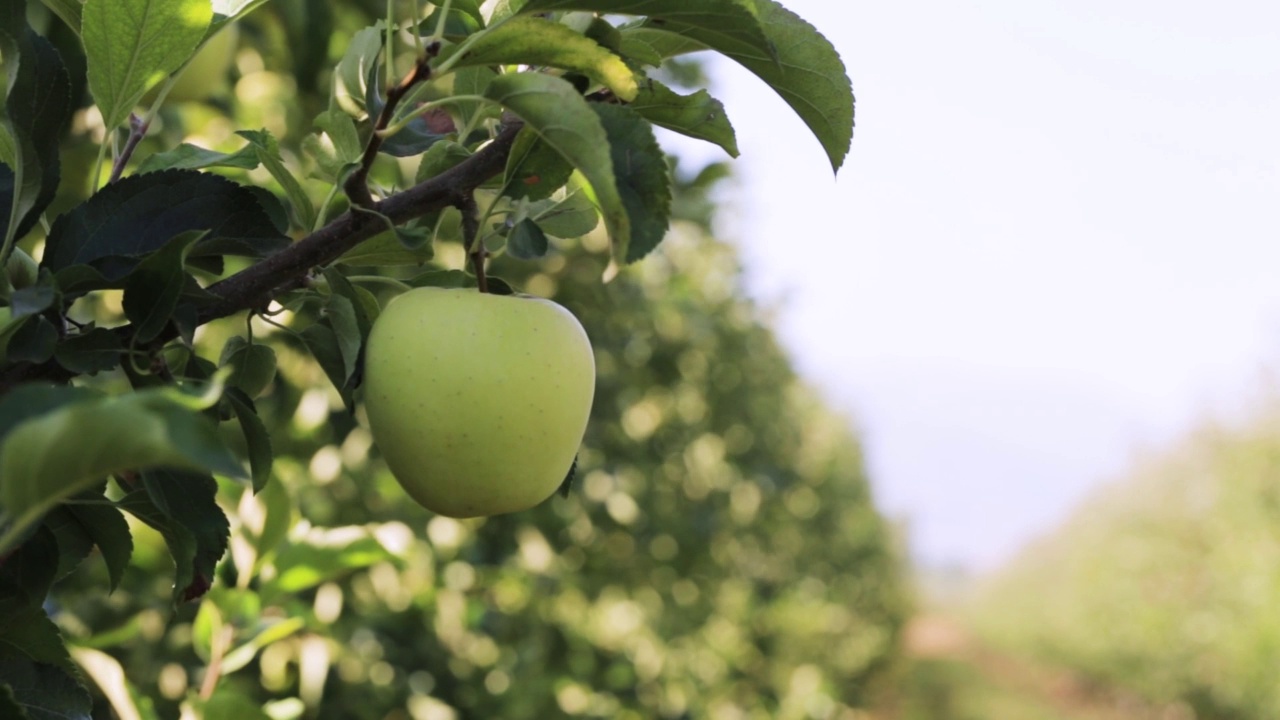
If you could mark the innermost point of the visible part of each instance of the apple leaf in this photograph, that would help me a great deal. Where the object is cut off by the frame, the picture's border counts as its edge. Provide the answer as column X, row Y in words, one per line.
column 698, row 115
column 34, row 341
column 800, row 65
column 567, row 123
column 228, row 11
column 131, row 45
column 535, row 170
column 187, row 499
column 253, row 365
column 41, row 691
column 256, row 438
column 732, row 21
column 92, row 351
column 193, row 157
column 385, row 249
column 144, row 429
column 642, row 178
column 36, row 108
column 94, row 522
column 153, row 289
column 27, row 629
column 69, row 10
column 138, row 215
column 534, row 41
column 268, row 151
column 527, row 241
column 572, row 217
column 30, row 570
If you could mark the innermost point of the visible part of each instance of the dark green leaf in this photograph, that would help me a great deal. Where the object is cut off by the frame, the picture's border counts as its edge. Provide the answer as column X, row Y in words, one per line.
column 458, row 24
column 534, row 41
column 440, row 157
column 473, row 81
column 28, row 401
column 191, row 157
column 37, row 108
column 323, row 344
column 442, row 279
column 186, row 499
column 140, row 214
column 698, row 115
column 36, row 298
column 535, row 169
column 43, row 692
column 74, row 545
column 641, row 174
column 527, row 241
column 32, row 567
column 339, row 285
column 69, row 10
column 566, row 122
column 93, row 351
column 26, row 629
column 98, row 524
column 152, row 291
column 269, row 155
column 341, row 314
column 34, row 342
column 253, row 365
column 256, row 438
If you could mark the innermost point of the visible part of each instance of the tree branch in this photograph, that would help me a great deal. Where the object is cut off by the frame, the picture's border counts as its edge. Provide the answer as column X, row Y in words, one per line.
column 255, row 286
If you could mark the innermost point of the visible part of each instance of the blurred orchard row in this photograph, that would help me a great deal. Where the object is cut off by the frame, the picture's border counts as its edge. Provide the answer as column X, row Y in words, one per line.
column 718, row 554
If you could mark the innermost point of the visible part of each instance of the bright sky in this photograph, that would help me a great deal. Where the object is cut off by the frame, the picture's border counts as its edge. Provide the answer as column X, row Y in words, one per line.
column 1056, row 242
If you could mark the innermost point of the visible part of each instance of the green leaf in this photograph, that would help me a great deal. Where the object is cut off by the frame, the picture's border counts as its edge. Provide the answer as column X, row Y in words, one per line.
column 41, row 691
column 472, row 81
column 732, row 21
column 804, row 68
column 385, row 249
column 698, row 115
column 458, row 24
column 535, row 169
column 440, row 157
column 527, row 241
column 652, row 46
column 567, row 123
column 107, row 673
column 152, row 291
column 642, row 178
column 99, row 524
column 69, row 10
column 253, row 365
column 442, row 279
column 144, row 429
column 323, row 555
column 131, row 45
column 256, row 438
column 228, row 11
column 535, row 41
column 341, row 314
column 187, row 501
column 228, row 704
column 89, row 352
column 34, row 299
column 269, row 155
column 351, row 76
column 342, row 133
column 26, row 629
column 138, row 215
column 572, row 217
column 193, row 157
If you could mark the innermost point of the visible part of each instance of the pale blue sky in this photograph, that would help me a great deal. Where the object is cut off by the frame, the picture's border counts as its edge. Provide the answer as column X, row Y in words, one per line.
column 1056, row 241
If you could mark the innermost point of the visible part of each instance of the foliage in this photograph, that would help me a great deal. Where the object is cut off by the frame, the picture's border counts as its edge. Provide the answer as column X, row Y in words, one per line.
column 187, row 290
column 1164, row 583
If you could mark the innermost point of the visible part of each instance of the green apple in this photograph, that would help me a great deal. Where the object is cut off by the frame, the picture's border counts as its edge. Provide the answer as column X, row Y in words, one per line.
column 478, row 402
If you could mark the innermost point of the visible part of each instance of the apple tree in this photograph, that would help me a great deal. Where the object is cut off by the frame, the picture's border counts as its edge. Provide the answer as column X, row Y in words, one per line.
column 177, row 309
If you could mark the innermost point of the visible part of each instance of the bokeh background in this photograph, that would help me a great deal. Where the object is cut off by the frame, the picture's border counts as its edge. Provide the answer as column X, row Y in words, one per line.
column 982, row 428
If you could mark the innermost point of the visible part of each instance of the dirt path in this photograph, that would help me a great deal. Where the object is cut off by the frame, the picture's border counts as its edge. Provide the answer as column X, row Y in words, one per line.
column 954, row 676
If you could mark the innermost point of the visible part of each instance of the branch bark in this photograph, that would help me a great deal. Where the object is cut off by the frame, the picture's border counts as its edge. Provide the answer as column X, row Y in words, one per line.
column 255, row 286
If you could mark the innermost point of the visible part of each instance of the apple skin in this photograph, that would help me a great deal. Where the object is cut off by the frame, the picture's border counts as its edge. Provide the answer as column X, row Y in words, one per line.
column 478, row 402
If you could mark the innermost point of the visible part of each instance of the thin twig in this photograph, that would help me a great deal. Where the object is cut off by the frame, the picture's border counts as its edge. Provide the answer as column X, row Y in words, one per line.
column 357, row 183
column 137, row 130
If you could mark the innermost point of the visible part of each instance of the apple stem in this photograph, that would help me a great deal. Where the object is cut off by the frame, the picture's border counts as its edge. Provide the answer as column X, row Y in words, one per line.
column 471, row 239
